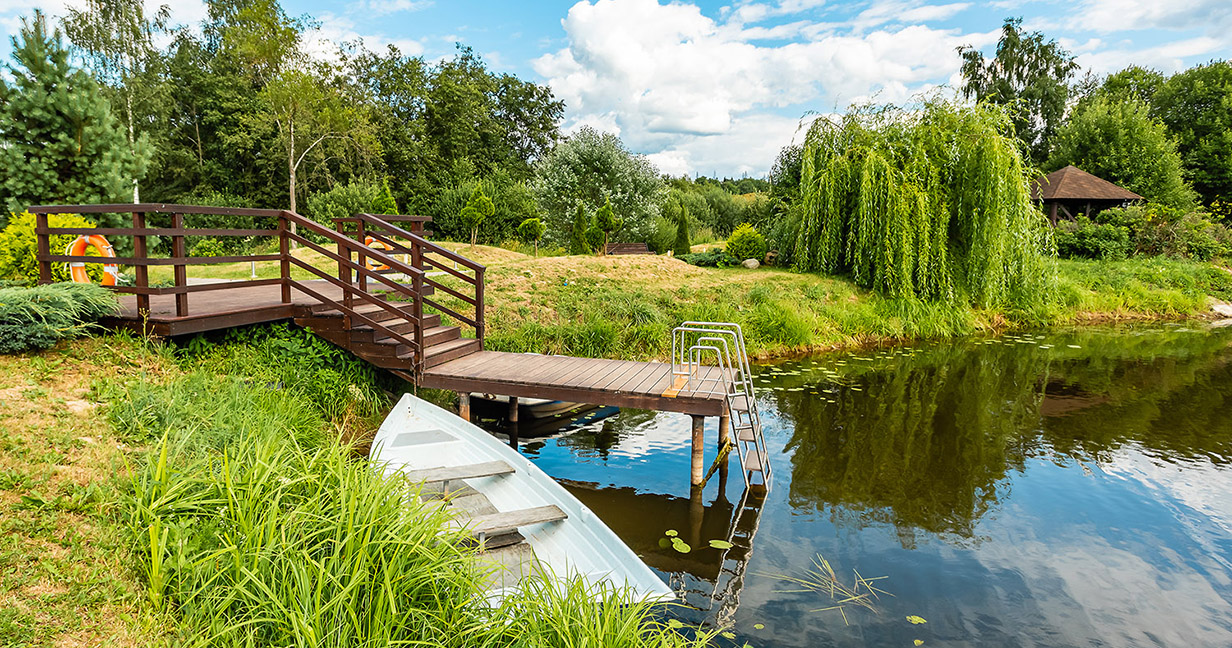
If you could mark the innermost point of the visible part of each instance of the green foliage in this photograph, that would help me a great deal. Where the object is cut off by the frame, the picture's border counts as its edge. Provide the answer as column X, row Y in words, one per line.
column 1134, row 83
column 594, row 238
column 1030, row 75
column 746, row 243
column 385, row 203
column 607, row 222
column 591, row 168
column 1196, row 106
column 1119, row 142
column 19, row 248
column 531, row 231
column 1159, row 230
column 478, row 208
column 1083, row 239
column 513, row 199
column 59, row 143
column 715, row 258
column 345, row 200
column 933, row 204
column 578, row 243
column 681, row 245
column 38, row 317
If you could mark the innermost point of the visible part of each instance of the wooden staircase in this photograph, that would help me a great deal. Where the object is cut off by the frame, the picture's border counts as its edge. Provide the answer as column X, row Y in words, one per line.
column 381, row 317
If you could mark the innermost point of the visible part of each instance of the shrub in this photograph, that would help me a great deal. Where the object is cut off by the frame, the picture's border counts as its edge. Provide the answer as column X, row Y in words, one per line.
column 681, row 246
column 38, row 317
column 531, row 232
column 19, row 248
column 746, row 243
column 1085, row 239
column 1159, row 230
column 711, row 259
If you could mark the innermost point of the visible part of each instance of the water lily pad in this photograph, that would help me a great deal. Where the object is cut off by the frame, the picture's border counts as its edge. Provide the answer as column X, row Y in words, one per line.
column 919, row 642
column 673, row 623
column 759, row 626
column 671, row 533
column 664, row 543
column 681, row 545
column 916, row 620
column 720, row 544
column 728, row 635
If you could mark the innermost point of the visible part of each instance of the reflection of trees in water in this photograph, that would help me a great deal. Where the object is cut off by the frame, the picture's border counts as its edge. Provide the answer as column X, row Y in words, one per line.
column 929, row 441
column 598, row 440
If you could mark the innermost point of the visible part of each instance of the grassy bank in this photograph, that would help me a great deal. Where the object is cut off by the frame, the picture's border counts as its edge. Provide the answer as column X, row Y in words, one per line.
column 626, row 306
column 203, row 496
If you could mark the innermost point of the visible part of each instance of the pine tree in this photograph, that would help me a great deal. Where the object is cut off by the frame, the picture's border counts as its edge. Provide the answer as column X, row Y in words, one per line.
column 577, row 238
column 59, row 143
column 681, row 247
column 385, row 203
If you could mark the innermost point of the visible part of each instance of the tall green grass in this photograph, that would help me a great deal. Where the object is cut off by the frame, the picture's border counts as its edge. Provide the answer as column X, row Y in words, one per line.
column 253, row 526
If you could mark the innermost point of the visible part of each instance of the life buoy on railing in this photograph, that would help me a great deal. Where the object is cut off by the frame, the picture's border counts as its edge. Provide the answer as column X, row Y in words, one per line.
column 77, row 269
column 375, row 244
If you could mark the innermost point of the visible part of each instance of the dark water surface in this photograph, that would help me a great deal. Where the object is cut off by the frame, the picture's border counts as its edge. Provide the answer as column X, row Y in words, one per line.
column 1053, row 489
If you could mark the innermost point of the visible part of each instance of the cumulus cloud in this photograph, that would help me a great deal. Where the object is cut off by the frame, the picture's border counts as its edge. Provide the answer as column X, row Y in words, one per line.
column 323, row 41
column 675, row 81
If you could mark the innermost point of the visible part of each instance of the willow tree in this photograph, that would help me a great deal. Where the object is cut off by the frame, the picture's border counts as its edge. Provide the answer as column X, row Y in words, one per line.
column 933, row 203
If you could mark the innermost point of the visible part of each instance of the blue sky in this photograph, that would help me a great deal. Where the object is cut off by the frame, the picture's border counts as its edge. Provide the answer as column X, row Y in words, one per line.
column 718, row 88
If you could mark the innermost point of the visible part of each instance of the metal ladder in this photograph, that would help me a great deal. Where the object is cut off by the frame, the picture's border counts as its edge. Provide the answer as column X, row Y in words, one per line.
column 692, row 344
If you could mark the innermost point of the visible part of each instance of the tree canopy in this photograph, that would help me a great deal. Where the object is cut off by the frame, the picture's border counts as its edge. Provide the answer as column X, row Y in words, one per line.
column 1118, row 141
column 1030, row 75
column 1196, row 106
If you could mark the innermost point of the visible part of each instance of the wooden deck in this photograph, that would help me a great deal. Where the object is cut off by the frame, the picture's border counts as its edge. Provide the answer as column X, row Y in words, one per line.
column 221, row 308
column 619, row 383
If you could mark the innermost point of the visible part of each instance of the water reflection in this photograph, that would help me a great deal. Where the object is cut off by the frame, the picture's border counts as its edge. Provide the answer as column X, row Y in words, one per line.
column 1057, row 489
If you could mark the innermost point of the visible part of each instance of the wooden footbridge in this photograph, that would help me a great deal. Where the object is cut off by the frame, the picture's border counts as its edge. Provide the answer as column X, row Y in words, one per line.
column 402, row 303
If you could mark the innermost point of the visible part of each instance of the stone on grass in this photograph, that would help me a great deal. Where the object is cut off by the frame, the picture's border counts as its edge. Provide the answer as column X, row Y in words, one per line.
column 751, row 264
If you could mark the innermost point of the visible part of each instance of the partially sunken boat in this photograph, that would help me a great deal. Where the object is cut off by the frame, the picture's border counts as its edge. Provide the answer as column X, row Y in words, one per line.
column 518, row 514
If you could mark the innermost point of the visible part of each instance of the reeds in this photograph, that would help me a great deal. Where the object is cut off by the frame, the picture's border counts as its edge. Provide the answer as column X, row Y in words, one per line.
column 38, row 317
column 822, row 579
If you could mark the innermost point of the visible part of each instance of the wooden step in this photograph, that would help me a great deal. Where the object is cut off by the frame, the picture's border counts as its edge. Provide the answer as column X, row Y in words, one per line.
column 470, row 471
column 452, row 350
column 496, row 524
column 752, row 461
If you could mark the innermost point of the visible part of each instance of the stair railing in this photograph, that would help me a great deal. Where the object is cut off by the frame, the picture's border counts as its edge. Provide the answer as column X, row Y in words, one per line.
column 434, row 262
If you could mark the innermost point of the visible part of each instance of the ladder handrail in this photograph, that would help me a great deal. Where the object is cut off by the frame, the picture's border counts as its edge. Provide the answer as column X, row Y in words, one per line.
column 691, row 343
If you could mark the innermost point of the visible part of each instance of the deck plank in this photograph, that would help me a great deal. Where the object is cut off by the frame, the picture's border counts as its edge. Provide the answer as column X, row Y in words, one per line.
column 470, row 471
column 495, row 524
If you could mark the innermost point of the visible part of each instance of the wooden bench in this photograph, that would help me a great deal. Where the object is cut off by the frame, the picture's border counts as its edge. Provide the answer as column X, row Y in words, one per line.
column 628, row 248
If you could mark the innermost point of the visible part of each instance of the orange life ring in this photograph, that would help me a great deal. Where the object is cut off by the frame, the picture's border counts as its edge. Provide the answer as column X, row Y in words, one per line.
column 77, row 269
column 373, row 243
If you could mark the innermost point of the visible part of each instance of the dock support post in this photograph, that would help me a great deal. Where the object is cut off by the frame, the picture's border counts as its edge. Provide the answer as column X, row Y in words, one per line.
column 724, row 429
column 464, row 405
column 699, row 440
column 513, row 409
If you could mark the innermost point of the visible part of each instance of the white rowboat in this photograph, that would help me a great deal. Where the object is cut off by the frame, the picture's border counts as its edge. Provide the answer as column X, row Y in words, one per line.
column 429, row 443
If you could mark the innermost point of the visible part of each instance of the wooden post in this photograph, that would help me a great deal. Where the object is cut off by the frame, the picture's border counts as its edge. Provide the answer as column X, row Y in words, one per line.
column 179, row 250
column 697, row 514
column 698, row 468
column 479, row 326
column 44, row 247
column 141, row 272
column 284, row 253
column 361, row 234
column 464, row 405
column 724, row 429
column 513, row 409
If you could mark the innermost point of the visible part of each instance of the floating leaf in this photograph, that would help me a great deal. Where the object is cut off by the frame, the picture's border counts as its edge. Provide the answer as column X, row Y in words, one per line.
column 916, row 620
column 919, row 642
column 759, row 626
column 720, row 544
column 664, row 543
column 728, row 635
column 671, row 533
column 673, row 623
column 681, row 545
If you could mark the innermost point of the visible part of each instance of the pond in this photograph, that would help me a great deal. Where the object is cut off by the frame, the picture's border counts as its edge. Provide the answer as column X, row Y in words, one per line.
column 1061, row 488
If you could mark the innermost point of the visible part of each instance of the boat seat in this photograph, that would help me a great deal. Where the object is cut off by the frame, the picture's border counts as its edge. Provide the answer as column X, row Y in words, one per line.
column 495, row 524
column 469, row 471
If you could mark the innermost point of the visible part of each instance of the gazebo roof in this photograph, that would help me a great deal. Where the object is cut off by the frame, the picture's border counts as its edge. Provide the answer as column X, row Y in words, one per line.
column 1072, row 183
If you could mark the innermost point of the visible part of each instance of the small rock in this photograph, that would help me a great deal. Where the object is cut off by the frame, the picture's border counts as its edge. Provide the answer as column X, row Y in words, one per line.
column 79, row 406
column 1223, row 323
column 1223, row 309
column 751, row 264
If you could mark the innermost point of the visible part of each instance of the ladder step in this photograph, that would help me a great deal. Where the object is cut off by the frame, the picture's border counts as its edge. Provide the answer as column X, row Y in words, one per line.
column 752, row 462
column 495, row 524
column 470, row 471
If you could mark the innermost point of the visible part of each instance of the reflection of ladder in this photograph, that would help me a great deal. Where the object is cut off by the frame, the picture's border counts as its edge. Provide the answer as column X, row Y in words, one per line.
column 745, row 520
column 692, row 344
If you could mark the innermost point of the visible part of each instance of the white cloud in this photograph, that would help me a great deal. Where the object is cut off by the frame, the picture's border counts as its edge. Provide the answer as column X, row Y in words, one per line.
column 672, row 79
column 322, row 42
column 394, row 6
column 1124, row 15
column 1168, row 58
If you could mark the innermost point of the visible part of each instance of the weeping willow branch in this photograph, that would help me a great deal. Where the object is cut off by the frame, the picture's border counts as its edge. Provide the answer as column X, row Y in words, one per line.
column 932, row 204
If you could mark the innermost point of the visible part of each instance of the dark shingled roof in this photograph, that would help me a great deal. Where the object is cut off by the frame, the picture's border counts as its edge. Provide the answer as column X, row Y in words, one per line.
column 1072, row 183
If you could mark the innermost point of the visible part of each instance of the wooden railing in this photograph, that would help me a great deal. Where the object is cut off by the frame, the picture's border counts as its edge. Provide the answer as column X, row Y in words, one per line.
column 366, row 275
column 428, row 257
